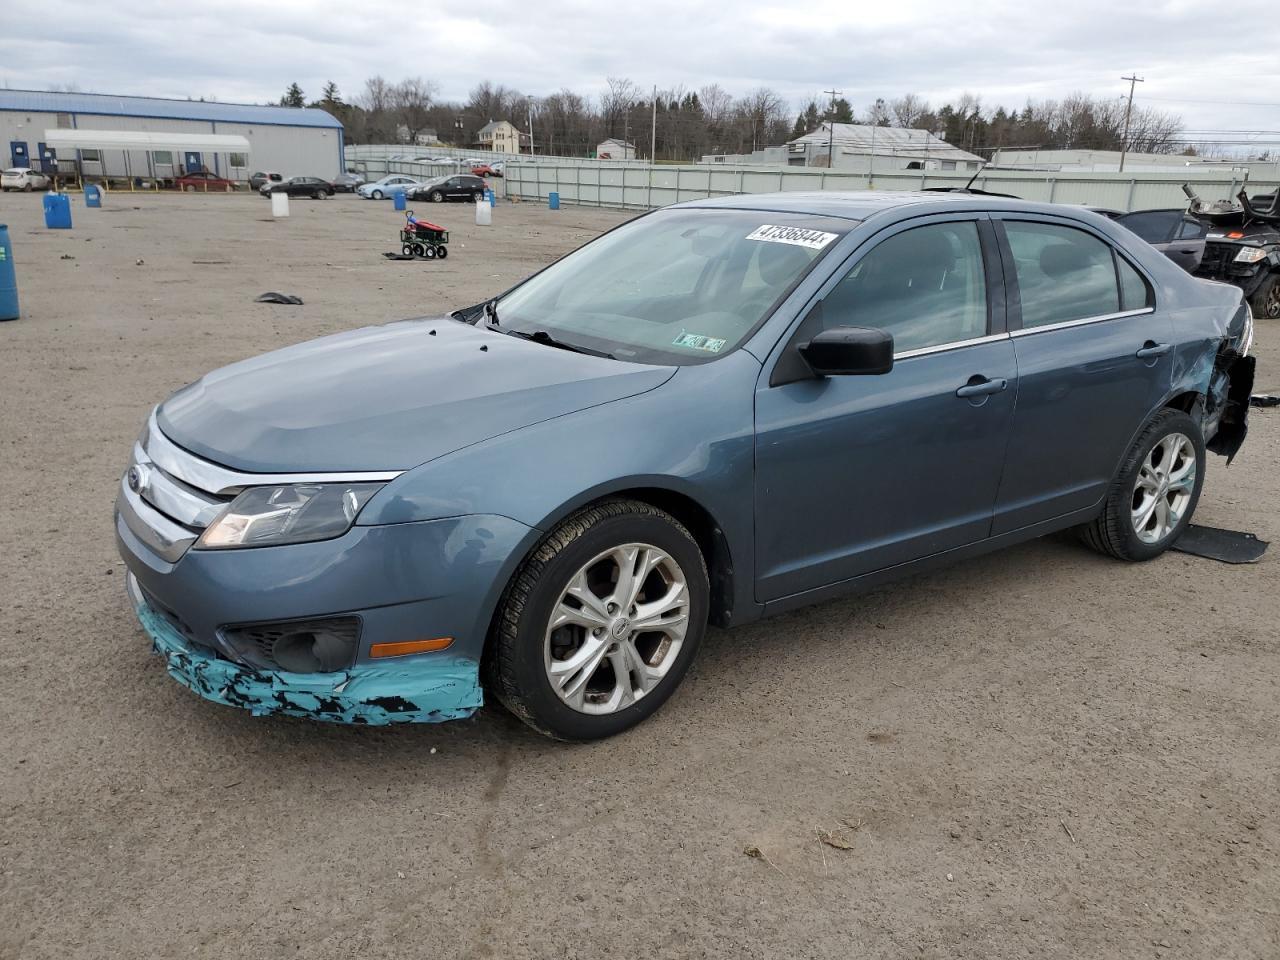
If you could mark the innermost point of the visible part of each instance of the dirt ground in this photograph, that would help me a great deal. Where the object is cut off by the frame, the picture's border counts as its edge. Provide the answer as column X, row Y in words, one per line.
column 1042, row 753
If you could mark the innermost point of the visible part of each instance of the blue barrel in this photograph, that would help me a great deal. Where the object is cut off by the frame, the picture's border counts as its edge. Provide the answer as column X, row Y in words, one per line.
column 57, row 211
column 553, row 200
column 488, row 196
column 8, row 279
column 397, row 197
column 92, row 195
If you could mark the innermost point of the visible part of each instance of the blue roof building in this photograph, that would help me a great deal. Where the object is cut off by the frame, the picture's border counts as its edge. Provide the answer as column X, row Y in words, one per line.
column 293, row 141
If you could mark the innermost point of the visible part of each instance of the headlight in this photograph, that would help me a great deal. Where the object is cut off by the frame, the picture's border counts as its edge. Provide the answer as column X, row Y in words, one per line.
column 1251, row 255
column 297, row 513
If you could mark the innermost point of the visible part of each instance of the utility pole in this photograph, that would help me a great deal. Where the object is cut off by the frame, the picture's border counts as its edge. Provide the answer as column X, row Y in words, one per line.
column 653, row 129
column 528, row 117
column 1128, row 112
column 831, row 129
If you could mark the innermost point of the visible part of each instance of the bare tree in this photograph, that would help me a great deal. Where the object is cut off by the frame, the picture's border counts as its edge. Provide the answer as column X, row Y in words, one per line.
column 412, row 99
column 908, row 109
column 763, row 112
column 615, row 105
column 877, row 114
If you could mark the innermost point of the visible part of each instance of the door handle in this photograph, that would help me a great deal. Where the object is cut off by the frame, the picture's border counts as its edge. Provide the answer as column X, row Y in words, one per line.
column 1152, row 349
column 982, row 387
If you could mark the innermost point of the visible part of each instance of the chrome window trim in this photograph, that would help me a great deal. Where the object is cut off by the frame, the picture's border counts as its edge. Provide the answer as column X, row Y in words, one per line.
column 223, row 482
column 1084, row 321
column 953, row 345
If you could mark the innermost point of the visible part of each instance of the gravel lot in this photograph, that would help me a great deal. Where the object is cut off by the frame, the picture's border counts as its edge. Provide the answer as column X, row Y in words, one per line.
column 1041, row 753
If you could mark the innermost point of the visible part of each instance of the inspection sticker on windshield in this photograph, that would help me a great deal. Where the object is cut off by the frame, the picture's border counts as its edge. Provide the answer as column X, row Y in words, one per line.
column 813, row 239
column 695, row 341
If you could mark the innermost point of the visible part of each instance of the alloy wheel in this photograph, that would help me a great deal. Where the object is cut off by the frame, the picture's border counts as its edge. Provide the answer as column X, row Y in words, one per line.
column 1163, row 487
column 617, row 628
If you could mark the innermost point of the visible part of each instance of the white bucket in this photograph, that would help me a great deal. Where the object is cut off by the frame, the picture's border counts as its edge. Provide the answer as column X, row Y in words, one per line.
column 484, row 214
column 279, row 204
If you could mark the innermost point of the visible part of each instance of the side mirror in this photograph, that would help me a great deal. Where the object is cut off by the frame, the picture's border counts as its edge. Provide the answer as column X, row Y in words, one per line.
column 849, row 351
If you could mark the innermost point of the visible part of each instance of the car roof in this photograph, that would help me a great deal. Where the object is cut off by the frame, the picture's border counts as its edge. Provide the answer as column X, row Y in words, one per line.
column 861, row 204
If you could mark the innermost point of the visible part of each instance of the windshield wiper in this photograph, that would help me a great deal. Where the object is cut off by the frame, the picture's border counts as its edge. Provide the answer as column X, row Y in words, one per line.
column 541, row 336
column 491, row 313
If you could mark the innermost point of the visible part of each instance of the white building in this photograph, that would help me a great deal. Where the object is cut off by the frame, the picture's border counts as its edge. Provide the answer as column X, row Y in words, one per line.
column 614, row 149
column 1108, row 161
column 102, row 135
column 501, row 136
column 852, row 147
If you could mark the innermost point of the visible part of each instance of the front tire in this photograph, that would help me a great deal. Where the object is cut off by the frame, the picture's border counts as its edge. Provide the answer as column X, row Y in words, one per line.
column 377, row 194
column 1265, row 302
column 600, row 623
column 436, row 196
column 1152, row 499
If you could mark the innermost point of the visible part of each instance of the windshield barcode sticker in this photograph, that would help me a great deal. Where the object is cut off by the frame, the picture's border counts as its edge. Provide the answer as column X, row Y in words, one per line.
column 695, row 341
column 813, row 239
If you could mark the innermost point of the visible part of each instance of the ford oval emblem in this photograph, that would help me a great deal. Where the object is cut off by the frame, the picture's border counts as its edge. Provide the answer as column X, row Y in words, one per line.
column 137, row 478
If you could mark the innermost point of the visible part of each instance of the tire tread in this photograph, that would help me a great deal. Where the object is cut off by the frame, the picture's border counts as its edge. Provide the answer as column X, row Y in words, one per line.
column 501, row 665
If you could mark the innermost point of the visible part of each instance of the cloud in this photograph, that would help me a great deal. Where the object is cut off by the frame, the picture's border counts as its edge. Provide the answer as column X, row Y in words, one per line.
column 1005, row 52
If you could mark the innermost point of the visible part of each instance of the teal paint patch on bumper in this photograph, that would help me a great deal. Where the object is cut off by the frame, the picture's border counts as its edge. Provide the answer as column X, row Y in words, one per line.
column 429, row 688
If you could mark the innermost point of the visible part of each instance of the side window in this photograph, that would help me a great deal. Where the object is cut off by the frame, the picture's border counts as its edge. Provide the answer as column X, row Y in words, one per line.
column 1191, row 230
column 926, row 286
column 1063, row 274
column 1134, row 291
column 1153, row 226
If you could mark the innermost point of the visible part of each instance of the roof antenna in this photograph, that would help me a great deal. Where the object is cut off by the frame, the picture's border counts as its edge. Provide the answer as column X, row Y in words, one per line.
column 975, row 177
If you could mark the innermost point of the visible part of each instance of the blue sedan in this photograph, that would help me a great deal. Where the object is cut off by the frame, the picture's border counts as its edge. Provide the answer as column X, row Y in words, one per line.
column 716, row 412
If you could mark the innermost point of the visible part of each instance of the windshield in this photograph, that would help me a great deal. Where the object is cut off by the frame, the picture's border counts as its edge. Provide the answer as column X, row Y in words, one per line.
column 676, row 286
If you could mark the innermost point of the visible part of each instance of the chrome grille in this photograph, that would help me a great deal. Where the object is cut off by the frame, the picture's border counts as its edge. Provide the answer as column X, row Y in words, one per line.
column 168, row 496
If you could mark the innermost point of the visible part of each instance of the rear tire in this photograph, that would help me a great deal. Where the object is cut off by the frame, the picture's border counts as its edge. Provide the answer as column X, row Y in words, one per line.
column 626, row 672
column 1265, row 302
column 1152, row 499
column 442, row 252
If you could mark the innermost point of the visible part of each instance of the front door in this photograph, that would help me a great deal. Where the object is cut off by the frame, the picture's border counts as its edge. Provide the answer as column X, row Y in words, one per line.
column 1095, row 357
column 193, row 162
column 858, row 473
column 18, row 153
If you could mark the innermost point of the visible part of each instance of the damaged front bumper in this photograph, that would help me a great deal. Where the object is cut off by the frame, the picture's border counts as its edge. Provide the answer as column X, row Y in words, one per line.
column 413, row 690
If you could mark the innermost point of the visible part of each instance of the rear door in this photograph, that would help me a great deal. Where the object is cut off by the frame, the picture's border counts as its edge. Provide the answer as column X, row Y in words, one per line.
column 1095, row 357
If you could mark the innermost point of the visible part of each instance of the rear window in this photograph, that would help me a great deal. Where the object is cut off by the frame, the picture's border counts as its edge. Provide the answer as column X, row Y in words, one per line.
column 14, row 172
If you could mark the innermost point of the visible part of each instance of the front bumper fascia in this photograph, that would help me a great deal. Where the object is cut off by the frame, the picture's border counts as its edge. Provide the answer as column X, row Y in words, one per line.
column 404, row 581
column 422, row 689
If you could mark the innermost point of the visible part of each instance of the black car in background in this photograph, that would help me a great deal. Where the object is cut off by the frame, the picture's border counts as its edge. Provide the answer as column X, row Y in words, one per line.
column 347, row 182
column 1176, row 233
column 299, row 187
column 462, row 186
column 1242, row 246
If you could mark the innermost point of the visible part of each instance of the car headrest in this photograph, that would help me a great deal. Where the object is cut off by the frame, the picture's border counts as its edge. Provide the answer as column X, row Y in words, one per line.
column 1062, row 259
column 780, row 263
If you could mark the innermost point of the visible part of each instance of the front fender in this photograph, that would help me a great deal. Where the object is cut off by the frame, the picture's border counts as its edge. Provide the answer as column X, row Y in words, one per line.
column 693, row 436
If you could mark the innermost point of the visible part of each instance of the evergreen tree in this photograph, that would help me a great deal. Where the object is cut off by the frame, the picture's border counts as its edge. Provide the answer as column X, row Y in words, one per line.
column 293, row 97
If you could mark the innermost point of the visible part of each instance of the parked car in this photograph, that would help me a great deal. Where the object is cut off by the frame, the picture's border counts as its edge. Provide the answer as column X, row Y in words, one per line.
column 483, row 170
column 23, row 178
column 312, row 187
column 718, row 411
column 496, row 169
column 1242, row 246
column 257, row 180
column 203, row 180
column 347, row 182
column 459, row 186
column 379, row 189
column 1174, row 232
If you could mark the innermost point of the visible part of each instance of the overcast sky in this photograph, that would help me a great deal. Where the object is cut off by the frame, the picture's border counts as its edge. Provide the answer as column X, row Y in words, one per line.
column 1188, row 50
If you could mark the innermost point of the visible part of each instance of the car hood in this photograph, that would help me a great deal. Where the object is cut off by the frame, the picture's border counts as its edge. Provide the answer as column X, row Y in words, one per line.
column 388, row 398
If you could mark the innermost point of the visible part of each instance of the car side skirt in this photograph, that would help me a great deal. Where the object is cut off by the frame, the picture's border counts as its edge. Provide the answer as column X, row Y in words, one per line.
column 871, row 581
